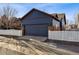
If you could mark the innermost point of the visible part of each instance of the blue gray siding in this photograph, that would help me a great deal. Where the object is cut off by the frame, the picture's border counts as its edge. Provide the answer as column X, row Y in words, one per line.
column 36, row 23
column 37, row 18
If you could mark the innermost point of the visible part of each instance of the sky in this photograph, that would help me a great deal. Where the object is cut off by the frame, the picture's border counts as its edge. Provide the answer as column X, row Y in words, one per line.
column 70, row 9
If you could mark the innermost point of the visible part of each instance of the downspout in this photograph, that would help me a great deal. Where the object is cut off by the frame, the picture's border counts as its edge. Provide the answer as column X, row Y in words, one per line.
column 60, row 25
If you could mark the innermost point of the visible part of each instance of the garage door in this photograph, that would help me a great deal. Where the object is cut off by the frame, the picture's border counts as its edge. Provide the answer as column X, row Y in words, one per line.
column 36, row 30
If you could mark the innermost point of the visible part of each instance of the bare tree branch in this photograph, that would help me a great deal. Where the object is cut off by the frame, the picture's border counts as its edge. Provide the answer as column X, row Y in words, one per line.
column 8, row 11
column 8, row 15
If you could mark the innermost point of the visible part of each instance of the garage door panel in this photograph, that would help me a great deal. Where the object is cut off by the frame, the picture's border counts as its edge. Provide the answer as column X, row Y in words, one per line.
column 37, row 30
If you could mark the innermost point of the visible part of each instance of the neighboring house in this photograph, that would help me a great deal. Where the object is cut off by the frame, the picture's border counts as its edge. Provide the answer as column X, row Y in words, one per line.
column 62, row 18
column 36, row 23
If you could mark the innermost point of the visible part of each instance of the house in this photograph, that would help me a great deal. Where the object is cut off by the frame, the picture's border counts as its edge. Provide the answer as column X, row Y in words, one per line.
column 62, row 18
column 36, row 22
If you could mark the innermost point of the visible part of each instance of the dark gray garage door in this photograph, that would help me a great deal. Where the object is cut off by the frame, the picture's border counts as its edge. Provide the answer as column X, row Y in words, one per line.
column 36, row 30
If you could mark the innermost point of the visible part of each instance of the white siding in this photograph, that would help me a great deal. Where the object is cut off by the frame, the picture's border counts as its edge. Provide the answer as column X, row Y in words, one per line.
column 63, row 22
column 55, row 23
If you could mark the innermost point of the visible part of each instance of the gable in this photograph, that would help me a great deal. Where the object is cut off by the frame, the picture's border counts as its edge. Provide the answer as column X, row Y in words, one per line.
column 35, row 14
column 40, row 12
column 36, row 17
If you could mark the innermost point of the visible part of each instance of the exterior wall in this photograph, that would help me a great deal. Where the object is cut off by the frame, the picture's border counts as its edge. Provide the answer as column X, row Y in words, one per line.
column 77, row 20
column 78, row 26
column 72, row 36
column 11, row 32
column 63, row 22
column 58, row 26
column 55, row 23
column 37, row 18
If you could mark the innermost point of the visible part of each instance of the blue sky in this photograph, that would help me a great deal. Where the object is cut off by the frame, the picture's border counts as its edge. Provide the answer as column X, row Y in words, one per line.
column 70, row 9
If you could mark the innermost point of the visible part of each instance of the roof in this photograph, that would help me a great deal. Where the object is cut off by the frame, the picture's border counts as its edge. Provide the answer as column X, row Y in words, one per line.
column 54, row 14
column 61, row 16
column 41, row 12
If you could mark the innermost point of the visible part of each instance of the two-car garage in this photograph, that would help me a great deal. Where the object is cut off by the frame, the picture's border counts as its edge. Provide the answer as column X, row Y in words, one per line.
column 36, row 30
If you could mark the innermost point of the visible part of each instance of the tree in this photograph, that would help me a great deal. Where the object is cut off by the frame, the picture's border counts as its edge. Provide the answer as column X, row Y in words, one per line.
column 8, row 12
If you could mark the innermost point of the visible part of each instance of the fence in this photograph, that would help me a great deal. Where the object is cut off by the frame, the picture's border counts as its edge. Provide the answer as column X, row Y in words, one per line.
column 11, row 32
column 64, row 35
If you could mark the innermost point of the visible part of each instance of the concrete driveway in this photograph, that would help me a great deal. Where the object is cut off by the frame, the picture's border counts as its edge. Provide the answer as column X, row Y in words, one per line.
column 33, row 37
